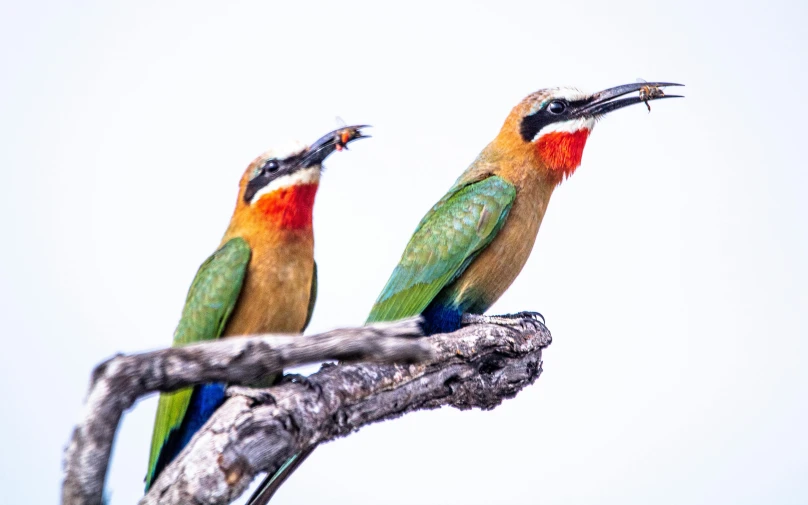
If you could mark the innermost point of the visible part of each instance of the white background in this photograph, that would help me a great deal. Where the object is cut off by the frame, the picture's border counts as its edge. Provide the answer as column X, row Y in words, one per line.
column 671, row 267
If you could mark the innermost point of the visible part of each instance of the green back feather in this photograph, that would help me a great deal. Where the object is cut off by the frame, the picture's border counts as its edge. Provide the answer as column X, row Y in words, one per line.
column 446, row 241
column 210, row 300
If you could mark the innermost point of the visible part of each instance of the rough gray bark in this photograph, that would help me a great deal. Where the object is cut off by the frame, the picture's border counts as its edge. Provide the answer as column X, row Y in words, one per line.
column 257, row 430
column 119, row 381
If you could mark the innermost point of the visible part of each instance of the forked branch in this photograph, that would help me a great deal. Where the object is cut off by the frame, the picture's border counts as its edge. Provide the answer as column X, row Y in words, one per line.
column 257, row 430
column 119, row 381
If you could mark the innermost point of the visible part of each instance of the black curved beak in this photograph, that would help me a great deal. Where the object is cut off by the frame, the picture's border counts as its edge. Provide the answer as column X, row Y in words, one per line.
column 337, row 140
column 606, row 101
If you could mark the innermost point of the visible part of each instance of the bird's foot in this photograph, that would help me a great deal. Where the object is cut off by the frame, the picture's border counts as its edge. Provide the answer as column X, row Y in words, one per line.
column 519, row 320
column 257, row 395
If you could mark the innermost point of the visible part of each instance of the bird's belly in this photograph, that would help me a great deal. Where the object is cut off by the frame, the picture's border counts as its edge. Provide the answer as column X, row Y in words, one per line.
column 275, row 297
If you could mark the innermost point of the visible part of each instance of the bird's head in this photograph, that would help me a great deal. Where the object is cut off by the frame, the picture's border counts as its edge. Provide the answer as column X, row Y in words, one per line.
column 280, row 185
column 553, row 124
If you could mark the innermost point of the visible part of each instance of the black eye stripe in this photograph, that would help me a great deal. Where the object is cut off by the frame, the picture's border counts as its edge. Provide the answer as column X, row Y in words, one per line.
column 255, row 184
column 533, row 124
column 269, row 171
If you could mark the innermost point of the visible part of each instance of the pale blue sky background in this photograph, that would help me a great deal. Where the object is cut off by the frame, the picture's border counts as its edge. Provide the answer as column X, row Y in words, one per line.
column 671, row 267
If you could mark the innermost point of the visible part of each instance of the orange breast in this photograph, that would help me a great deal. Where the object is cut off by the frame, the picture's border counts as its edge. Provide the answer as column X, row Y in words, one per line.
column 275, row 295
column 277, row 287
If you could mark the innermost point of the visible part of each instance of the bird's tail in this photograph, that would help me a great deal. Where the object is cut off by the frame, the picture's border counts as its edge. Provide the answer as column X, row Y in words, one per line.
column 267, row 489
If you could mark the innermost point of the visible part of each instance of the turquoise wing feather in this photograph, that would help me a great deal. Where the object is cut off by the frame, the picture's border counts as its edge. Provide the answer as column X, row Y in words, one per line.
column 448, row 238
column 210, row 300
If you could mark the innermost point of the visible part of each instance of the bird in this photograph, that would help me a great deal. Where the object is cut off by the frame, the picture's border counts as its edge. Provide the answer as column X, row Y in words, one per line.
column 472, row 244
column 261, row 279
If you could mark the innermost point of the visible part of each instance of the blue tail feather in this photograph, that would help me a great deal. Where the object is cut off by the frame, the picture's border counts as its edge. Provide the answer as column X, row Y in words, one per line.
column 205, row 399
column 441, row 317
column 204, row 402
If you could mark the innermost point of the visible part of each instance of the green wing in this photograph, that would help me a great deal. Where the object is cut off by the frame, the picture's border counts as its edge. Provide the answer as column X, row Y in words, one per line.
column 448, row 238
column 312, row 297
column 210, row 301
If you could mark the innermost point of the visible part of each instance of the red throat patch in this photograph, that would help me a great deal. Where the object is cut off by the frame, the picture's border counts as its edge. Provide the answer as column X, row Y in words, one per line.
column 290, row 207
column 563, row 151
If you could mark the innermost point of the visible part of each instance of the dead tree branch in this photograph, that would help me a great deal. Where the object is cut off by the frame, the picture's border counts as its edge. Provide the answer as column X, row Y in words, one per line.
column 478, row 366
column 119, row 381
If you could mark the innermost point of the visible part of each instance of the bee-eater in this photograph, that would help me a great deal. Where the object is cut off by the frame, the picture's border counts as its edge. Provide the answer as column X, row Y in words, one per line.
column 262, row 279
column 472, row 244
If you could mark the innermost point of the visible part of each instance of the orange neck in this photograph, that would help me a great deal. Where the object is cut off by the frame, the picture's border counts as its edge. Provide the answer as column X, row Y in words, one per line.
column 517, row 161
column 279, row 217
column 551, row 158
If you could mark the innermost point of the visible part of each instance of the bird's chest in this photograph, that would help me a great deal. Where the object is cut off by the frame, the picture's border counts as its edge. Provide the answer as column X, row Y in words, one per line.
column 276, row 291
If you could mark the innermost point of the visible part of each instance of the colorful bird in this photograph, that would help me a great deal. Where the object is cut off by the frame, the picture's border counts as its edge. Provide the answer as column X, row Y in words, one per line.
column 262, row 279
column 472, row 244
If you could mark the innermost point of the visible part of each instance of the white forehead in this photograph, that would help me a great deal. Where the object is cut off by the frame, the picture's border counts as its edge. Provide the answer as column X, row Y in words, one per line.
column 571, row 94
column 284, row 150
column 561, row 93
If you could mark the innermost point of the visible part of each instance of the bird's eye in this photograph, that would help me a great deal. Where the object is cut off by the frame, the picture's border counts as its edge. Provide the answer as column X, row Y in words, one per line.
column 556, row 107
column 271, row 166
